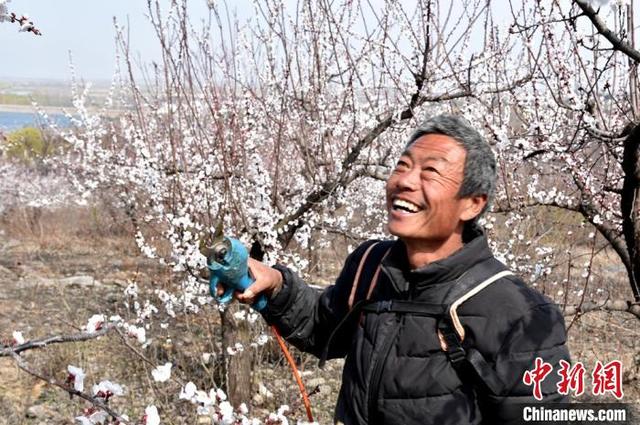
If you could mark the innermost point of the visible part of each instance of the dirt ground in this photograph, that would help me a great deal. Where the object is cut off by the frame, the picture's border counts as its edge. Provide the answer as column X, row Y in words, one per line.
column 51, row 286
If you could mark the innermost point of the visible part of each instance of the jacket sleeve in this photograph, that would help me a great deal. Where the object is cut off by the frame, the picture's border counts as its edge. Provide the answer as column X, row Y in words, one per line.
column 306, row 316
column 540, row 332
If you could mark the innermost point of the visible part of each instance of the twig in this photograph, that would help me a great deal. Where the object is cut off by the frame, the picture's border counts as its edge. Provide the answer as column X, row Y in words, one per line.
column 617, row 42
column 136, row 352
column 609, row 306
column 25, row 24
column 72, row 391
column 56, row 339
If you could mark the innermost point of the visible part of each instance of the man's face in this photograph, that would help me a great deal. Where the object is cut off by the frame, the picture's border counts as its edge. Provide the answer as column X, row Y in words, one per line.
column 422, row 204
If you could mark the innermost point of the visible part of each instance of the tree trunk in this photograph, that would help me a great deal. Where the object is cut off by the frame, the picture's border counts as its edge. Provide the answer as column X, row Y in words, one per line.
column 630, row 207
column 238, row 366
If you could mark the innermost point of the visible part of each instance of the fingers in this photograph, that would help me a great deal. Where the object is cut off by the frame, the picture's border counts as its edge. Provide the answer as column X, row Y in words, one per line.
column 248, row 296
column 266, row 281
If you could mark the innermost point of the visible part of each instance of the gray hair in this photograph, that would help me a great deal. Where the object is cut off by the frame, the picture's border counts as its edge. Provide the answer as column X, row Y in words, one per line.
column 480, row 163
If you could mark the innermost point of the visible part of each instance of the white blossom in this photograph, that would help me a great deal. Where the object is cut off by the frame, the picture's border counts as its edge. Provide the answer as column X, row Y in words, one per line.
column 188, row 391
column 77, row 375
column 136, row 332
column 26, row 26
column 107, row 388
column 97, row 417
column 151, row 416
column 18, row 338
column 95, row 323
column 162, row 373
column 237, row 348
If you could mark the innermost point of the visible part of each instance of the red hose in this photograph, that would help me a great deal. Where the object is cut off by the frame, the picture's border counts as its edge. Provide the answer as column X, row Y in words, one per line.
column 296, row 374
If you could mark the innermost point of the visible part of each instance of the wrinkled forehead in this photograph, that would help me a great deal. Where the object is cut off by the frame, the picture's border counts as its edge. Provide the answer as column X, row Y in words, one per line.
column 435, row 147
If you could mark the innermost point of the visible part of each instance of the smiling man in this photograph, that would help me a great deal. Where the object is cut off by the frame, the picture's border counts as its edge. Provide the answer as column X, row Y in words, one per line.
column 434, row 329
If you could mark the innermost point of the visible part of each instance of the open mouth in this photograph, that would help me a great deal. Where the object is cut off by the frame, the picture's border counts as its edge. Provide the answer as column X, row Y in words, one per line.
column 405, row 206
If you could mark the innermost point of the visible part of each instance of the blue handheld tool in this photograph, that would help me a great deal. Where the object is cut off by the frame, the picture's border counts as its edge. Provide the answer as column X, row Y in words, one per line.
column 227, row 261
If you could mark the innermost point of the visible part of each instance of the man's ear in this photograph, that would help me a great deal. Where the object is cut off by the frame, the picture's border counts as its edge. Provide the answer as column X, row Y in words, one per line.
column 473, row 206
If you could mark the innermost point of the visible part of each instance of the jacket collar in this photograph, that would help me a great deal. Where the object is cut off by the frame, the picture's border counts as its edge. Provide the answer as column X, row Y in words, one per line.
column 396, row 264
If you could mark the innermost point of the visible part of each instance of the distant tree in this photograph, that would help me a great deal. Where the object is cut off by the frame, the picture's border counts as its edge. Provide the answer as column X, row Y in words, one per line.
column 25, row 144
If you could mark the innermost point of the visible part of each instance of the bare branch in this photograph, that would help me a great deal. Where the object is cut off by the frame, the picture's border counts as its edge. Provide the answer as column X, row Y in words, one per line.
column 617, row 42
column 610, row 306
column 605, row 135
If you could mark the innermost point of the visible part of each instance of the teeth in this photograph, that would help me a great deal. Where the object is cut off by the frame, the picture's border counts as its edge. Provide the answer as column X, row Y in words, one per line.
column 405, row 205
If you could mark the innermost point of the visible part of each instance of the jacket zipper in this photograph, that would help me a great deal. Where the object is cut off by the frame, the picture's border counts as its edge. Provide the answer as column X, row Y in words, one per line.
column 374, row 385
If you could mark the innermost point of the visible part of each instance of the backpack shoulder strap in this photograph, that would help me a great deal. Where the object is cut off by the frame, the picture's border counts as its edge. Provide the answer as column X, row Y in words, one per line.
column 370, row 262
column 451, row 332
column 470, row 284
column 368, row 269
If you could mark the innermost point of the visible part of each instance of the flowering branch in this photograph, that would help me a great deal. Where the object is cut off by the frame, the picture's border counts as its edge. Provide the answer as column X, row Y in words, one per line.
column 589, row 212
column 72, row 391
column 26, row 25
column 343, row 179
column 56, row 339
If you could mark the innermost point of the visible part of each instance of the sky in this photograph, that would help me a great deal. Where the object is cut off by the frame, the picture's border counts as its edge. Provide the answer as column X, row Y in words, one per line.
column 84, row 27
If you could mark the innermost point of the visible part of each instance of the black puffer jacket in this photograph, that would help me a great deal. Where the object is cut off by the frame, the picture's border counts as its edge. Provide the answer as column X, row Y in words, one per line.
column 395, row 370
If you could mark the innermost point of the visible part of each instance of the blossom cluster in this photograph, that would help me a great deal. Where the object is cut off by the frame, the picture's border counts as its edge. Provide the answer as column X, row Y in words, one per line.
column 26, row 25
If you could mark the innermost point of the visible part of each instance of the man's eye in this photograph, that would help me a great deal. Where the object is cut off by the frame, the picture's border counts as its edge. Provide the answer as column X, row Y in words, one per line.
column 430, row 169
column 402, row 165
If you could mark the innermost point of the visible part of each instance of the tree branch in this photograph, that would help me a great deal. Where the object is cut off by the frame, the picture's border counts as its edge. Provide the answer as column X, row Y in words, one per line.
column 588, row 211
column 617, row 42
column 613, row 189
column 56, row 339
column 72, row 391
column 610, row 306
column 605, row 135
column 327, row 188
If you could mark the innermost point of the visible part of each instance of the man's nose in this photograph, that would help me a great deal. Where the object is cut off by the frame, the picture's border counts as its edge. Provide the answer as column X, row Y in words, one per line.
column 410, row 180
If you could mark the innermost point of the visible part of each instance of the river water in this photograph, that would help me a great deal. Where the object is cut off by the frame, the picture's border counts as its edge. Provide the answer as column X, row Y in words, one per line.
column 10, row 121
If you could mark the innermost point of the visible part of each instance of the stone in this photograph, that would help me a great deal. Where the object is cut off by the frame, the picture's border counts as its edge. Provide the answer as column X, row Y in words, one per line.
column 10, row 244
column 41, row 412
column 316, row 382
column 6, row 273
column 78, row 281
